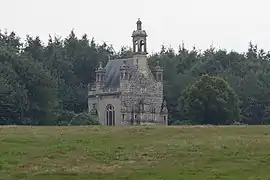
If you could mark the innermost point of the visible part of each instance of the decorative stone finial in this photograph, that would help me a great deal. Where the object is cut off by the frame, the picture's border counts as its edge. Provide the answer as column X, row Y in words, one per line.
column 124, row 65
column 157, row 65
column 139, row 24
column 164, row 103
column 100, row 68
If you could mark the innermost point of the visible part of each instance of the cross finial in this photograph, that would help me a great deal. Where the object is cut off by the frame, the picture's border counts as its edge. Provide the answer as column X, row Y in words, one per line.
column 100, row 64
column 139, row 24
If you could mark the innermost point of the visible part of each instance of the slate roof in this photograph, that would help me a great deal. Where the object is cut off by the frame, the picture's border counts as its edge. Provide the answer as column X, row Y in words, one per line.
column 112, row 75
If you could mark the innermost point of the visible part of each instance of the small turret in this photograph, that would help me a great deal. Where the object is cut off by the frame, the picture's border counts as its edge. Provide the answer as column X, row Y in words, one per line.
column 124, row 76
column 124, row 71
column 159, row 72
column 100, row 76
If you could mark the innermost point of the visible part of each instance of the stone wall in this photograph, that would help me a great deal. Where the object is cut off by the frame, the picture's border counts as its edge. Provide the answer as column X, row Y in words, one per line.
column 103, row 101
column 138, row 99
column 141, row 90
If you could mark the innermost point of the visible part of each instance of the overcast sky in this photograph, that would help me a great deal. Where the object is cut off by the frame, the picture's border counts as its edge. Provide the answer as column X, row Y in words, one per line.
column 228, row 24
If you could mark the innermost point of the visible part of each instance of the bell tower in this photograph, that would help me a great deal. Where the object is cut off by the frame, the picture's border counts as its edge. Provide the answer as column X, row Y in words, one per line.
column 139, row 39
column 158, row 72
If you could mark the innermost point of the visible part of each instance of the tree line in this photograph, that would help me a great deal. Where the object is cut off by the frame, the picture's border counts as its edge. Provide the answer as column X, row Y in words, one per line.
column 47, row 84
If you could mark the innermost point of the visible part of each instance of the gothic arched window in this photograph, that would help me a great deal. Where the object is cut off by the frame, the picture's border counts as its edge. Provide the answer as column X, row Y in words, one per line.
column 110, row 115
column 102, row 78
column 136, row 46
column 153, row 115
column 142, row 45
column 159, row 77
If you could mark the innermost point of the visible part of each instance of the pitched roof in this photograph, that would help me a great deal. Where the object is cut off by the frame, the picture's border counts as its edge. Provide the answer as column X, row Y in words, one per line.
column 112, row 75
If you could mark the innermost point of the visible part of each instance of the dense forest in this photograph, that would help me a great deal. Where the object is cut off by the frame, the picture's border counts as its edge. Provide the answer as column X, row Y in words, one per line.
column 44, row 84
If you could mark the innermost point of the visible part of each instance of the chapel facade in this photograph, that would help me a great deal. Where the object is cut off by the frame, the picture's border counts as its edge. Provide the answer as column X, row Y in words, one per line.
column 126, row 92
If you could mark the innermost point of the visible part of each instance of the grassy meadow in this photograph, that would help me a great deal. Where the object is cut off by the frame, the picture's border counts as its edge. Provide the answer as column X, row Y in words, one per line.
column 135, row 153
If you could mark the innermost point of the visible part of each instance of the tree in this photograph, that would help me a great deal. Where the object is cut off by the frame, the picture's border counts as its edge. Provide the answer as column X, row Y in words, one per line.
column 39, row 81
column 210, row 100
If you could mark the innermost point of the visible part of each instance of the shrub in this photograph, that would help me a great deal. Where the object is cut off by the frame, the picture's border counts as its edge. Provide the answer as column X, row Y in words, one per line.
column 83, row 119
column 64, row 117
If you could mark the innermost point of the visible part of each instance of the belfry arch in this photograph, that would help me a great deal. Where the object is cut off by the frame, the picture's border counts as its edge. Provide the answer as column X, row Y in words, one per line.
column 139, row 39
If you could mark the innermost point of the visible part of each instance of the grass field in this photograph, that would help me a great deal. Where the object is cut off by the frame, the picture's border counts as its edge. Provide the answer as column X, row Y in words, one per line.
column 135, row 153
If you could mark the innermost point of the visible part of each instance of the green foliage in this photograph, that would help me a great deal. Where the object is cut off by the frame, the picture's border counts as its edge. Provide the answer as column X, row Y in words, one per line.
column 247, row 73
column 64, row 117
column 83, row 119
column 181, row 122
column 39, row 82
column 210, row 100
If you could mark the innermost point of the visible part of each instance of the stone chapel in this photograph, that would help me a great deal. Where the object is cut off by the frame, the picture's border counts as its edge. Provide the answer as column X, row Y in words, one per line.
column 126, row 92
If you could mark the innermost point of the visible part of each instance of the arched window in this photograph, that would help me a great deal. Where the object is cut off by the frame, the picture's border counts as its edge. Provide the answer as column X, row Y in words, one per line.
column 102, row 78
column 159, row 77
column 136, row 45
column 142, row 45
column 153, row 115
column 110, row 115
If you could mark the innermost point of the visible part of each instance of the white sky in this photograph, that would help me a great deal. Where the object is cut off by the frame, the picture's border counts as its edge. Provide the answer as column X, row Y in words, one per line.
column 228, row 24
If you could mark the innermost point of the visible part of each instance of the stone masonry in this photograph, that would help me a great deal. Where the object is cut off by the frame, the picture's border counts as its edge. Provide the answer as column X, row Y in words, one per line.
column 126, row 92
